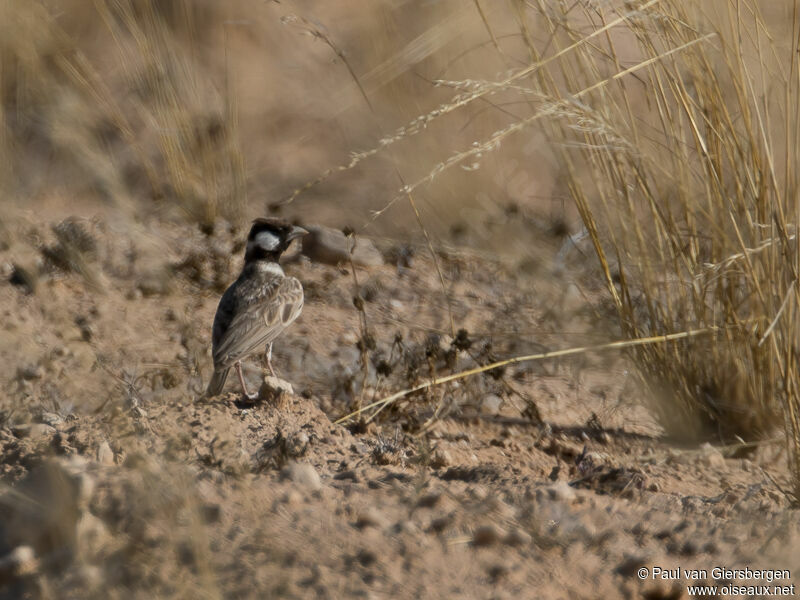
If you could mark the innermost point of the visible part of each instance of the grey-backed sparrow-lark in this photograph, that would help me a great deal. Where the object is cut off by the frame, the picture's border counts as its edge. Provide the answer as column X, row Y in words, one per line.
column 258, row 306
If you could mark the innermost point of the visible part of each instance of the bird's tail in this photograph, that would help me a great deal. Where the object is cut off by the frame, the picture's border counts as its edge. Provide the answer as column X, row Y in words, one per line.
column 217, row 382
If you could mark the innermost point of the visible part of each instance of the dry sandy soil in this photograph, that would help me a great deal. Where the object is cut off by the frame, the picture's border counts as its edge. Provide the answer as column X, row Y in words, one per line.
column 549, row 480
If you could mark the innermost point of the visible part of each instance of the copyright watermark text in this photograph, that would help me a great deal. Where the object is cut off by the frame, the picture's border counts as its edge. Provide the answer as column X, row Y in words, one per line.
column 739, row 581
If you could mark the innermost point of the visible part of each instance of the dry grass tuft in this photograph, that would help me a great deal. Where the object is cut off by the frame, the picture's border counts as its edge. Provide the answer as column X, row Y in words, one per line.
column 677, row 128
column 157, row 131
column 685, row 179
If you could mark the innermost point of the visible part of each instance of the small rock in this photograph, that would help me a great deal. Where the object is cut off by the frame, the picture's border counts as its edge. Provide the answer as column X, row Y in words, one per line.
column 92, row 534
column 711, row 456
column 85, row 577
column 292, row 498
column 33, row 431
column 565, row 449
column 502, row 509
column 631, row 564
column 407, row 526
column 76, row 468
column 439, row 524
column 348, row 338
column 491, row 404
column 21, row 561
column 304, row 475
column 134, row 294
column 296, row 444
column 370, row 517
column 486, row 535
column 561, row 492
column 517, row 537
column 366, row 557
column 273, row 389
column 441, row 458
column 211, row 512
column 30, row 372
column 429, row 500
column 40, row 430
column 55, row 494
column 332, row 247
column 52, row 419
column 478, row 492
column 155, row 284
column 497, row 571
column 349, row 474
column 105, row 455
column 359, row 448
column 24, row 278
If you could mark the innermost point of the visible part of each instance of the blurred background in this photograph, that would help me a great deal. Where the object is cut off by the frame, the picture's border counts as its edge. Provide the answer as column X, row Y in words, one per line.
column 200, row 109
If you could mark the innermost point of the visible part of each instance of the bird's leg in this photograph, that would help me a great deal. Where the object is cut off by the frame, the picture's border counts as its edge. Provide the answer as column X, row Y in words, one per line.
column 269, row 359
column 249, row 396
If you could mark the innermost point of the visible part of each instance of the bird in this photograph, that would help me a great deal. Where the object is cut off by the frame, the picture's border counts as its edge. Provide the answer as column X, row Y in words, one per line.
column 258, row 306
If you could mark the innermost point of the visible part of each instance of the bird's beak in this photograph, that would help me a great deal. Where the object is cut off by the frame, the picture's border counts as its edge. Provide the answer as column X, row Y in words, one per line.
column 296, row 232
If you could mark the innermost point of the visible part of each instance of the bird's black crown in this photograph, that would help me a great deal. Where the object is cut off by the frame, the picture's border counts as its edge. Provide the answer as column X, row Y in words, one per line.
column 282, row 233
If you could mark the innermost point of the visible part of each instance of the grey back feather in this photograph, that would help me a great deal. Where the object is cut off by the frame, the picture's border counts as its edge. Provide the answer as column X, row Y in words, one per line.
column 252, row 313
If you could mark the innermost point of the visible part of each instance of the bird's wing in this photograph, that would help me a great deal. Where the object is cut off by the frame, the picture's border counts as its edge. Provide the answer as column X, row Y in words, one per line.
column 260, row 323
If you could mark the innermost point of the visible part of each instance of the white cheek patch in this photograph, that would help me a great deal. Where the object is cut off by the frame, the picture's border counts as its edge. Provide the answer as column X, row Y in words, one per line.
column 272, row 268
column 265, row 240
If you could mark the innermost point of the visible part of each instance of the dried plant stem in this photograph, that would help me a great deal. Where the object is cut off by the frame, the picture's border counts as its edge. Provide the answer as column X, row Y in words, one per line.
column 421, row 123
column 621, row 344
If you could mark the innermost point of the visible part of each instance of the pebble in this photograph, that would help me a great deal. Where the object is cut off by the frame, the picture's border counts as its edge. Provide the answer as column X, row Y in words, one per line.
column 330, row 246
column 711, row 456
column 366, row 557
column 154, row 284
column 303, row 474
column 349, row 474
column 296, row 444
column 211, row 512
column 370, row 517
column 406, row 526
column 273, row 388
column 33, row 431
column 30, row 372
column 92, row 534
column 86, row 577
column 491, row 404
column 19, row 562
column 486, row 535
column 292, row 498
column 631, row 564
column 57, row 493
column 25, row 278
column 517, row 537
column 75, row 468
column 497, row 571
column 52, row 419
column 478, row 492
column 439, row 524
column 441, row 458
column 105, row 455
column 429, row 500
column 561, row 492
